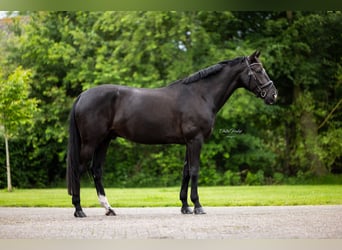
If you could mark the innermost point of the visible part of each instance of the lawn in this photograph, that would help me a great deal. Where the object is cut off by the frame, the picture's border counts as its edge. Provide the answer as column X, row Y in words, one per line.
column 161, row 197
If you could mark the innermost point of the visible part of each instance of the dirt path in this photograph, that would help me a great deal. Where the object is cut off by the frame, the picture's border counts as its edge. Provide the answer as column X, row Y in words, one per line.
column 290, row 222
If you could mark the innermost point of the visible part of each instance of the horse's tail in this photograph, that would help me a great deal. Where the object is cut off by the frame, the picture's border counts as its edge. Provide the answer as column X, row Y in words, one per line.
column 73, row 156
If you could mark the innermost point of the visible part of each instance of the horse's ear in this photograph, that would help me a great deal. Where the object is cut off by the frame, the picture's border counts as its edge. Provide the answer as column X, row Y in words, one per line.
column 253, row 58
column 256, row 54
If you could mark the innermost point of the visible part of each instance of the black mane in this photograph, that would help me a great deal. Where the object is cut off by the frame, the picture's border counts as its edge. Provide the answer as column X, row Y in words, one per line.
column 204, row 73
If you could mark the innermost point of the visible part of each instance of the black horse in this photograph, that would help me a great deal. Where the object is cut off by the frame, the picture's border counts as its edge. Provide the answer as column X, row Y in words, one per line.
column 181, row 113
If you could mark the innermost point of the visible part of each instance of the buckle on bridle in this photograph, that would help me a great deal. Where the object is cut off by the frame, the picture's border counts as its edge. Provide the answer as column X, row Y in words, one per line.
column 263, row 92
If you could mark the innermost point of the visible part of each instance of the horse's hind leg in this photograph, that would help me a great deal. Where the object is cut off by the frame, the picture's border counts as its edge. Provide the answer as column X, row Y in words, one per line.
column 96, row 169
column 76, row 201
column 85, row 157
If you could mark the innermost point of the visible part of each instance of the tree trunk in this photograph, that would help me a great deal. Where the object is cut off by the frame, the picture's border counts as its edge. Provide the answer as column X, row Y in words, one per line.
column 309, row 133
column 289, row 16
column 291, row 167
column 8, row 166
column 302, row 128
column 310, row 136
column 290, row 138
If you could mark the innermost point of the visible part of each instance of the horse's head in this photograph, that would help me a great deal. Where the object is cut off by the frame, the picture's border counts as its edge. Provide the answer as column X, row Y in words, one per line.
column 256, row 80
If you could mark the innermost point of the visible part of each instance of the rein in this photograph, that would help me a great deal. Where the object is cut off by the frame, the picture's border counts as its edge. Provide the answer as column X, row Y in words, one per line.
column 260, row 86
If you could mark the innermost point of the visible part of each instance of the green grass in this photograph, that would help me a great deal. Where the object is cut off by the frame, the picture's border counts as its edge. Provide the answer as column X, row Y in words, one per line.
column 161, row 197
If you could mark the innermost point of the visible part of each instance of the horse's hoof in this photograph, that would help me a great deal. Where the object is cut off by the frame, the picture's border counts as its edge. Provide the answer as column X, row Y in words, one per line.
column 199, row 210
column 110, row 212
column 80, row 214
column 186, row 210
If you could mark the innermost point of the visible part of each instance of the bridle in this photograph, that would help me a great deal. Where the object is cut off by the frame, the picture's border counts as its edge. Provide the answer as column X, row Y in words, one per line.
column 262, row 88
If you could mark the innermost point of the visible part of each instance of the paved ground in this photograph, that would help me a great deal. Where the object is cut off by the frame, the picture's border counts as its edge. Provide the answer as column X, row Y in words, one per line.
column 304, row 222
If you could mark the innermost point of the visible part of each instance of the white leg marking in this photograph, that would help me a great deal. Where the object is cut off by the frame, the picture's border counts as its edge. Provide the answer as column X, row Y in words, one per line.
column 104, row 202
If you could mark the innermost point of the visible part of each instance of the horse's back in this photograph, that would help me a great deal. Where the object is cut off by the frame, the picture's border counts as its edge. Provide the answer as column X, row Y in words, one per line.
column 97, row 94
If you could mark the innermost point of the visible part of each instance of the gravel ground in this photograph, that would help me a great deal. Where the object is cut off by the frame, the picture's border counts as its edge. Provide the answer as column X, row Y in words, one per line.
column 271, row 222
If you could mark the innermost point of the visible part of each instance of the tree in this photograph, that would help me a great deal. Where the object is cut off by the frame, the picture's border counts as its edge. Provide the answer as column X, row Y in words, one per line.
column 73, row 51
column 68, row 52
column 16, row 109
column 304, row 59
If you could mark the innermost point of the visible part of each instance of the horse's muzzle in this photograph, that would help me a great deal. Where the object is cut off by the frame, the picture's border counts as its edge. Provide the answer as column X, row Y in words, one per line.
column 271, row 98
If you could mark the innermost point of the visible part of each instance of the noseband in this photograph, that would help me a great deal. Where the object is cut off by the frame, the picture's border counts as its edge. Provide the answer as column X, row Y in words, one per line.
column 262, row 87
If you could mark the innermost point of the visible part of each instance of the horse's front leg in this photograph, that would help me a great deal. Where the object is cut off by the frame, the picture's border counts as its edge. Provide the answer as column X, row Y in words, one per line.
column 194, row 150
column 183, row 196
column 96, row 170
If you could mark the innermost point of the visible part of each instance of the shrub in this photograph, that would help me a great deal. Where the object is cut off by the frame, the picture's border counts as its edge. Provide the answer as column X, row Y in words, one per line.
column 231, row 178
column 278, row 178
column 255, row 179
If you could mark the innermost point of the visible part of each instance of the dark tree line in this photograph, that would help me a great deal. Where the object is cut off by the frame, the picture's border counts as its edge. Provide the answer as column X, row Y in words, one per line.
column 68, row 52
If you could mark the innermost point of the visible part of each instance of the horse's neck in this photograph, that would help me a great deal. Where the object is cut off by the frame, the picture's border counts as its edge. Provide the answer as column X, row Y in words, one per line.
column 221, row 87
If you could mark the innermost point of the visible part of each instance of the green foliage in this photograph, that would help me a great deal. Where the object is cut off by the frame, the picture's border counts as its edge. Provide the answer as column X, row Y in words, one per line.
column 255, row 179
column 67, row 52
column 16, row 107
column 231, row 179
column 16, row 110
